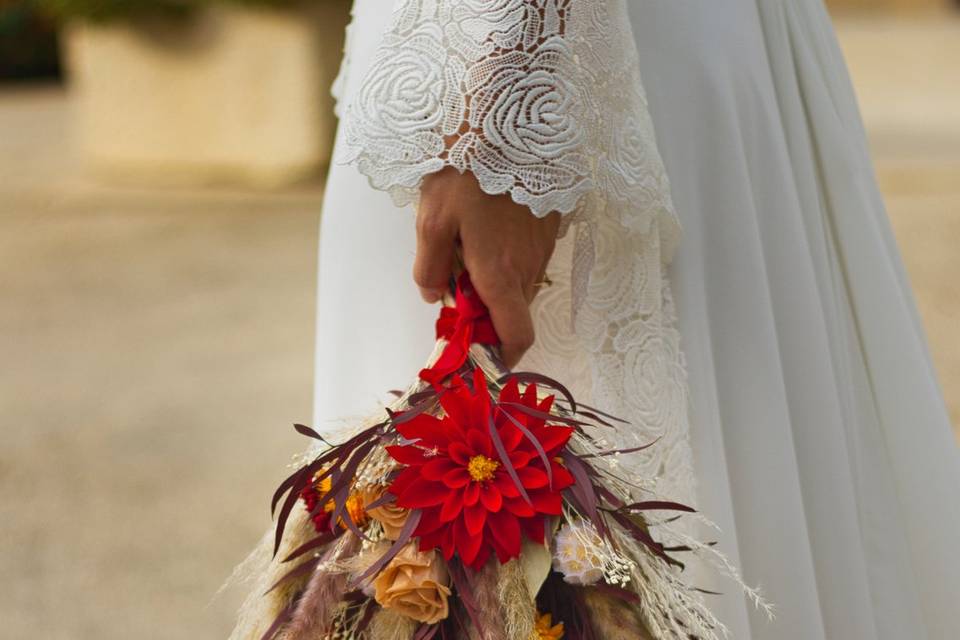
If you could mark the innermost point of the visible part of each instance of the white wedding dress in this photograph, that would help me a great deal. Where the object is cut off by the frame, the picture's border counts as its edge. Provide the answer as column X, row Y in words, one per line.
column 802, row 414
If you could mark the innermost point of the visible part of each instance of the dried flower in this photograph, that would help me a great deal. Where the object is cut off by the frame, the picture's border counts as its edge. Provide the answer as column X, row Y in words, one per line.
column 317, row 490
column 483, row 474
column 415, row 584
column 546, row 630
column 579, row 553
column 389, row 515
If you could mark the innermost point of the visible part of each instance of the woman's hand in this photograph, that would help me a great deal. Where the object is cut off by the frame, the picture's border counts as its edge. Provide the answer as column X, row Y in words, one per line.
column 505, row 248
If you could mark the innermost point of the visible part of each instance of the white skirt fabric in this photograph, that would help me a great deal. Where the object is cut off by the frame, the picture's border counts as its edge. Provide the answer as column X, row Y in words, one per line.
column 821, row 443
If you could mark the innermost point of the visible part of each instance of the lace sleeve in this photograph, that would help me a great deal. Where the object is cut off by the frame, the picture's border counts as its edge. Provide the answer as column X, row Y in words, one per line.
column 538, row 98
column 541, row 99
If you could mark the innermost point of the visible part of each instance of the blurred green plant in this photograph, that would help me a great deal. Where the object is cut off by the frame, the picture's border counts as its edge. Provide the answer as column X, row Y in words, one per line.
column 101, row 10
column 28, row 42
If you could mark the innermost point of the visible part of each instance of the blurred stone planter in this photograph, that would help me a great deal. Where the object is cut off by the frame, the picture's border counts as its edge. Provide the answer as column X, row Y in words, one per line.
column 231, row 95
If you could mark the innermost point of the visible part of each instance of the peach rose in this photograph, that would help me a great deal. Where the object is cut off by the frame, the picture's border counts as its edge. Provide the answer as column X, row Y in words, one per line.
column 390, row 516
column 414, row 584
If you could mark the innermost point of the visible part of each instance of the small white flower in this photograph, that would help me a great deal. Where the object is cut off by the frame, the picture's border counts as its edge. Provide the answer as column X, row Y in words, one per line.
column 579, row 553
column 585, row 558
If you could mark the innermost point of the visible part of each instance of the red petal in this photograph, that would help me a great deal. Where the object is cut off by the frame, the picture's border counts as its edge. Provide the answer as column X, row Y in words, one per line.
column 510, row 391
column 471, row 494
column 404, row 479
column 490, row 497
column 519, row 508
column 532, row 478
column 511, row 436
column 480, row 388
column 452, row 506
column 425, row 427
column 530, row 395
column 431, row 540
column 561, row 477
column 547, row 502
column 468, row 546
column 479, row 442
column 447, row 543
column 553, row 438
column 535, row 528
column 459, row 452
column 505, row 485
column 456, row 404
column 406, row 454
column 456, row 478
column 482, row 557
column 422, row 493
column 505, row 532
column 546, row 404
column 437, row 468
column 429, row 522
column 474, row 518
column 521, row 458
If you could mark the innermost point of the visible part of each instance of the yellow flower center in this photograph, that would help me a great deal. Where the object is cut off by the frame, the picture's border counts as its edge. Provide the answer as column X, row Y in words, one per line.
column 481, row 468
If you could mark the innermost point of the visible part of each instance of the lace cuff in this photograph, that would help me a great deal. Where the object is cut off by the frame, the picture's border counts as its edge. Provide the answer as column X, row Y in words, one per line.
column 541, row 99
column 479, row 85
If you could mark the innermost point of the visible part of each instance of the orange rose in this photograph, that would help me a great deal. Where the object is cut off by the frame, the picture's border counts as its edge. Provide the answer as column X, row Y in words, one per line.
column 390, row 516
column 414, row 584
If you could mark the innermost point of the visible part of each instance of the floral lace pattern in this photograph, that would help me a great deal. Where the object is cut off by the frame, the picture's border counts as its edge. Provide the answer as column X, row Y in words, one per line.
column 543, row 99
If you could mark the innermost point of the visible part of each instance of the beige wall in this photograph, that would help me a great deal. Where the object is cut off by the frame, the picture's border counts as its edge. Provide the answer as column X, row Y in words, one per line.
column 900, row 6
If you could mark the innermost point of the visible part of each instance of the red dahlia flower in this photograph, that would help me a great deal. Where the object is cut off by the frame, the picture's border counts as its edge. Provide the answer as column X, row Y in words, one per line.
column 479, row 480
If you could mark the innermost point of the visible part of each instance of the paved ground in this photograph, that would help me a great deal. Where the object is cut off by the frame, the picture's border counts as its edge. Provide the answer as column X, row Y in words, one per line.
column 149, row 338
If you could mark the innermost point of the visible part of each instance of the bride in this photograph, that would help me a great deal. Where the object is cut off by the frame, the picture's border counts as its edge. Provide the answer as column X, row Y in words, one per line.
column 799, row 410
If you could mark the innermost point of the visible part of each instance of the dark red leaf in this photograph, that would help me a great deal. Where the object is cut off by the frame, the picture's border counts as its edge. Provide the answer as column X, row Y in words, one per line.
column 465, row 592
column 641, row 536
column 659, row 505
column 623, row 451
column 319, row 541
column 605, row 415
column 538, row 378
column 536, row 445
column 413, row 519
column 307, row 431
column 583, row 490
column 543, row 415
column 300, row 570
column 426, row 631
column 288, row 504
column 505, row 459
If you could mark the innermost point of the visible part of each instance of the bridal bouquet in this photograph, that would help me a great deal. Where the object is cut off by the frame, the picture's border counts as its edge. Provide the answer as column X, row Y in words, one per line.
column 481, row 505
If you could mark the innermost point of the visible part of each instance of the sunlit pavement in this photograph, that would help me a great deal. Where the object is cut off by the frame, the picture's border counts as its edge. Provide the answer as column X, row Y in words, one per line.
column 908, row 81
column 156, row 348
column 157, row 345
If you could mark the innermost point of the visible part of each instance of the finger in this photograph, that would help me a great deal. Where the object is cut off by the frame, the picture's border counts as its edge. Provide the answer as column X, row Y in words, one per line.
column 510, row 313
column 433, row 264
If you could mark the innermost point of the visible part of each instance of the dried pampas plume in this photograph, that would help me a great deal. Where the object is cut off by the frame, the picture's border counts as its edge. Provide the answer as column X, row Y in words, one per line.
column 322, row 598
column 262, row 569
column 484, row 586
column 519, row 609
column 390, row 625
